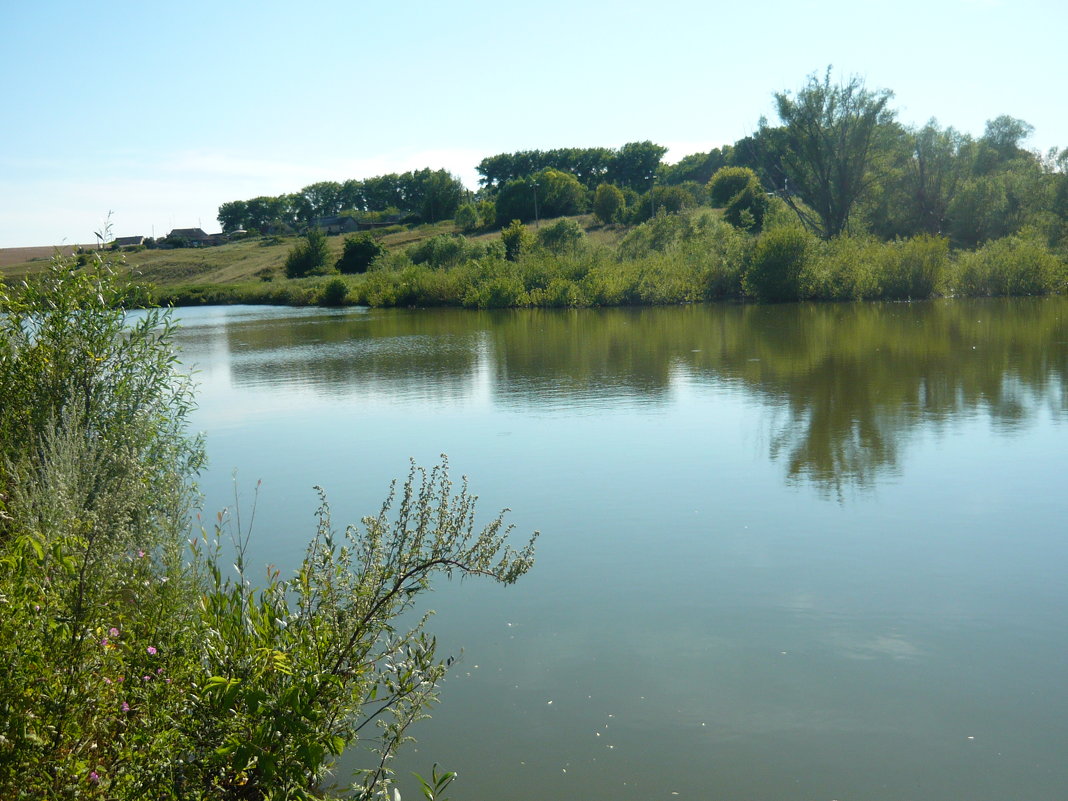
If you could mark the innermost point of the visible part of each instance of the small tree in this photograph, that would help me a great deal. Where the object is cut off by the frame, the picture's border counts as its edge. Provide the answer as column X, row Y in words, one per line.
column 308, row 256
column 562, row 236
column 608, row 202
column 517, row 240
column 359, row 252
column 467, row 217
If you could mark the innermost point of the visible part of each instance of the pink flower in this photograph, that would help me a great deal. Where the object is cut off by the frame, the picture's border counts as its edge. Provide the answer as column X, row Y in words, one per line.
column 94, row 777
column 145, row 678
column 158, row 671
column 140, row 554
column 125, row 707
column 151, row 650
column 104, row 642
column 107, row 680
column 114, row 632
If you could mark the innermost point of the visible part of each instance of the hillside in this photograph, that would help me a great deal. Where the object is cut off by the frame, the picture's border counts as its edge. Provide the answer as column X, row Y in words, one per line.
column 253, row 259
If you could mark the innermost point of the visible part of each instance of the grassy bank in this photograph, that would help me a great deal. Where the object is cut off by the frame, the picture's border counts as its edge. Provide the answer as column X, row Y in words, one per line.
column 688, row 257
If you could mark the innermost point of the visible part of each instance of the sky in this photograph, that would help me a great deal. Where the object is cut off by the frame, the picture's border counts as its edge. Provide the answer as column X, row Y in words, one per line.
column 158, row 113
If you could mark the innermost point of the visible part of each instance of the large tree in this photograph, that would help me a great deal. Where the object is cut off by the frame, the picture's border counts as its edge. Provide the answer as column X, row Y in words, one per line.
column 831, row 133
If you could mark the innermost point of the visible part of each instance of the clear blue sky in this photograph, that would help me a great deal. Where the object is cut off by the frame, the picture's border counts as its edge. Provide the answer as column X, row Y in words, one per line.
column 160, row 112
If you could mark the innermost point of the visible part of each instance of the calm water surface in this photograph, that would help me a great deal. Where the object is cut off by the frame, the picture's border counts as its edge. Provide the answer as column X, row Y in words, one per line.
column 794, row 552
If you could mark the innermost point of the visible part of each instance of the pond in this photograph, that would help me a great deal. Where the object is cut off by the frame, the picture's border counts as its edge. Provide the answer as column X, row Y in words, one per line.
column 787, row 552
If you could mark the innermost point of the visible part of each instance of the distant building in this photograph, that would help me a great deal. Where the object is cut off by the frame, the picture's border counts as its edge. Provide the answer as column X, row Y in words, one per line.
column 194, row 236
column 128, row 241
column 336, row 225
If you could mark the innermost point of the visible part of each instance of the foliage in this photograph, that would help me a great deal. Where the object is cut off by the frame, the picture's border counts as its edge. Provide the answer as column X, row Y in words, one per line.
column 334, row 292
column 133, row 671
column 308, row 256
column 445, row 250
column 831, row 138
column 562, row 236
column 608, row 202
column 517, row 240
column 780, row 256
column 359, row 253
column 728, row 182
column 467, row 218
column 548, row 193
column 633, row 165
column 1017, row 265
column 747, row 207
column 915, row 268
column 697, row 167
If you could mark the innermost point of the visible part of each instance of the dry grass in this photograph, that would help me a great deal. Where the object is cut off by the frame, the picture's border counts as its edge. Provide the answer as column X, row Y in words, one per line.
column 256, row 258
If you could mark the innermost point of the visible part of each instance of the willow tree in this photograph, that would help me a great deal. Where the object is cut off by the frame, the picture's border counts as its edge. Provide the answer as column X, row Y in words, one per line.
column 831, row 140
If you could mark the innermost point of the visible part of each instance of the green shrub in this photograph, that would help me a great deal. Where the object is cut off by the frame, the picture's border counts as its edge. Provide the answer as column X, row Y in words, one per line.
column 1015, row 265
column 608, row 203
column 780, row 256
column 843, row 268
column 728, row 182
column 444, row 250
column 915, row 268
column 517, row 240
column 562, row 236
column 467, row 217
column 134, row 669
column 334, row 292
column 307, row 256
column 747, row 208
column 358, row 253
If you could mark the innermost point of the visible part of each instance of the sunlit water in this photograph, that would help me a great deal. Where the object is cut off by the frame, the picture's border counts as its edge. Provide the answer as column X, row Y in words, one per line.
column 796, row 552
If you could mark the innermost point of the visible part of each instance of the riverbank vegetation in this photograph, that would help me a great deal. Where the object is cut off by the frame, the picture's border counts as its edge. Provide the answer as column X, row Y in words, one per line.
column 837, row 201
column 138, row 667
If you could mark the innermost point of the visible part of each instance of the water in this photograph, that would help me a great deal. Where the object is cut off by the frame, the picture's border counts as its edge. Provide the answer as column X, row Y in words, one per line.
column 791, row 552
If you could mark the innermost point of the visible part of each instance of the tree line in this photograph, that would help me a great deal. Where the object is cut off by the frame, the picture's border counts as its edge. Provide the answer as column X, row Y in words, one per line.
column 428, row 195
column 838, row 157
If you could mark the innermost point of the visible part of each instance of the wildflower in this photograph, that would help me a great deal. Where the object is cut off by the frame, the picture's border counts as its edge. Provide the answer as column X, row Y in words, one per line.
column 107, row 680
column 151, row 650
column 158, row 671
column 145, row 678
column 125, row 707
column 140, row 554
column 104, row 642
column 114, row 632
column 94, row 777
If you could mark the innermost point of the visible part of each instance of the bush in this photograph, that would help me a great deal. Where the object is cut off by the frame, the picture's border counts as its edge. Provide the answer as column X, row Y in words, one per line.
column 1015, row 265
column 915, row 268
column 608, row 203
column 562, row 236
column 359, row 253
column 135, row 671
column 334, row 292
column 780, row 256
column 843, row 268
column 728, row 182
column 467, row 217
column 444, row 250
column 308, row 256
column 517, row 240
column 747, row 208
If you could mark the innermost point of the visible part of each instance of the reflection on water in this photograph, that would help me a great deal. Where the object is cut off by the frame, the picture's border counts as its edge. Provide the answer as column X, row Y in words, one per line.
column 845, row 385
column 704, row 621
